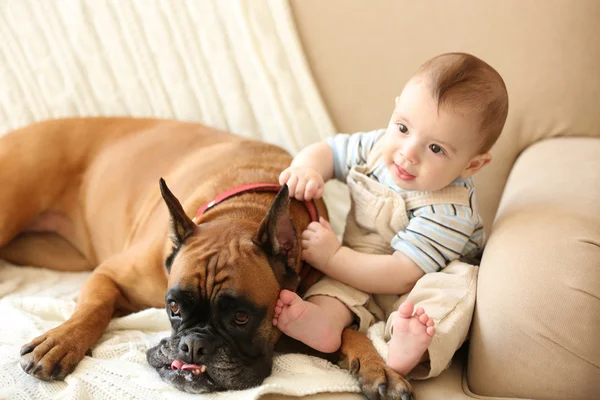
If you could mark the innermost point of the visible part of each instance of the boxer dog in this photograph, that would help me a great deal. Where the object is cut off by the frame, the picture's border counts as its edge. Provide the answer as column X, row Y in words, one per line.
column 91, row 194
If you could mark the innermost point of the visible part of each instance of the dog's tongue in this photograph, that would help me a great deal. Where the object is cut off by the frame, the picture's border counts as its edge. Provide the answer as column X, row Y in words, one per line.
column 178, row 364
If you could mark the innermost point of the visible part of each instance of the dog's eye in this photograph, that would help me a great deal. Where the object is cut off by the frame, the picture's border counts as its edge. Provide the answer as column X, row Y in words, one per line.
column 241, row 318
column 174, row 307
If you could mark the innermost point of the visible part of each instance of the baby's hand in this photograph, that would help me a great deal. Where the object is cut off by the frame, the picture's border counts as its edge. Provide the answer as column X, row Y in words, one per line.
column 304, row 183
column 319, row 244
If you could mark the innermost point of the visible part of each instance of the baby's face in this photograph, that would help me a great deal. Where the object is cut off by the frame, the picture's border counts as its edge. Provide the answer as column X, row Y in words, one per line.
column 426, row 148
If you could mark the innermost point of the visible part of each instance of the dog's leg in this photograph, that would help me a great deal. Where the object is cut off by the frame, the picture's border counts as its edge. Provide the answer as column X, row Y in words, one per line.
column 42, row 164
column 377, row 381
column 56, row 353
column 119, row 285
column 34, row 170
column 45, row 250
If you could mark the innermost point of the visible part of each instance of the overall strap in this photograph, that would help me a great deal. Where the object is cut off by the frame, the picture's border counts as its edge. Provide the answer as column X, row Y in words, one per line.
column 449, row 195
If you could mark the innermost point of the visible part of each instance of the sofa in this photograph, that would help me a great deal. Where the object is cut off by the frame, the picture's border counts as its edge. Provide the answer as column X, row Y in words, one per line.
column 293, row 72
column 537, row 314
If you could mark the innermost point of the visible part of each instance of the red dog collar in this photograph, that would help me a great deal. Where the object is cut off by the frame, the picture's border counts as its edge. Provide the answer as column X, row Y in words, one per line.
column 261, row 187
column 253, row 187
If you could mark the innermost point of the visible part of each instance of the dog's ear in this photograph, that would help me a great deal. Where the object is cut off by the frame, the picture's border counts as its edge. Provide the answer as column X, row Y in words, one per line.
column 277, row 237
column 181, row 225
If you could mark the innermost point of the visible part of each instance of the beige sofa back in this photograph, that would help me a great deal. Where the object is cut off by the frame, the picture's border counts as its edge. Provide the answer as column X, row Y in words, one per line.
column 362, row 52
column 536, row 323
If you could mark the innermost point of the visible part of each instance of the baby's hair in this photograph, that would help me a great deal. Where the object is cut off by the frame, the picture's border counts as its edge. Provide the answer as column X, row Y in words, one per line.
column 462, row 82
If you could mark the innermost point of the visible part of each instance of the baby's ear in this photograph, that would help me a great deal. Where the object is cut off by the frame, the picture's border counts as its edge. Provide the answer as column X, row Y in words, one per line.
column 476, row 163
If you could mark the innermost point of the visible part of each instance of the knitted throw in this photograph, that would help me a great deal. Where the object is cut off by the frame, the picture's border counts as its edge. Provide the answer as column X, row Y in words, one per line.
column 235, row 65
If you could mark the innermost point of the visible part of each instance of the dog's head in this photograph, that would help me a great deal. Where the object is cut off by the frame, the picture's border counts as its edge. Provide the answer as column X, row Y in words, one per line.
column 224, row 280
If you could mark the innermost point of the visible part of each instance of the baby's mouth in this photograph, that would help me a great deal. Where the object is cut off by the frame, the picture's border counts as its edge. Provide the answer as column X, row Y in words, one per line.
column 403, row 174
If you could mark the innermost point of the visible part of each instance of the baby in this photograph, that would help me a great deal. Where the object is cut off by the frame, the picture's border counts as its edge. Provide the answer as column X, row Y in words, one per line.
column 413, row 209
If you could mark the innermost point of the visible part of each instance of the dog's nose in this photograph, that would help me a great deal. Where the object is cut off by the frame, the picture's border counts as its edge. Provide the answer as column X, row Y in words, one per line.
column 194, row 346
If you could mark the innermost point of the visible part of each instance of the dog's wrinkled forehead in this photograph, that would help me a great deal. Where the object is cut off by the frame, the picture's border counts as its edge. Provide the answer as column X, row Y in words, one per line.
column 222, row 256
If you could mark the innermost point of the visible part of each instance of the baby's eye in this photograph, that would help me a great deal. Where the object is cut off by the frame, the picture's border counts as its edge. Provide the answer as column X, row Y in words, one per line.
column 437, row 149
column 402, row 128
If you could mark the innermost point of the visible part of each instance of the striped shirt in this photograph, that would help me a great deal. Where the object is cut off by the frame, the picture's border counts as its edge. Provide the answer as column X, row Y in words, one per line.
column 436, row 234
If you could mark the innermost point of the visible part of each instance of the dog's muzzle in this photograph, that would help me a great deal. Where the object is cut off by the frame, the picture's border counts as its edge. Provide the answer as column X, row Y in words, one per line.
column 196, row 346
column 197, row 363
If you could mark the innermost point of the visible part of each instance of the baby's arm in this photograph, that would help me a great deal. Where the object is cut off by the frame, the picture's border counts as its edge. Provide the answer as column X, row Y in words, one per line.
column 317, row 156
column 310, row 169
column 374, row 273
column 384, row 274
column 320, row 162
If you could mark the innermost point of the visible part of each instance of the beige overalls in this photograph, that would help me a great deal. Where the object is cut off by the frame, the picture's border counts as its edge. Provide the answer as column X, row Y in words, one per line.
column 376, row 215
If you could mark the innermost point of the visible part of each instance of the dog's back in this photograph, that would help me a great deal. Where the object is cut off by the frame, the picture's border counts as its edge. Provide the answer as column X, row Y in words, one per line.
column 89, row 186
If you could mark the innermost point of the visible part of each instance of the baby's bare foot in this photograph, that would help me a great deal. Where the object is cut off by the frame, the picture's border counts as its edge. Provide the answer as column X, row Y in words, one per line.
column 411, row 337
column 306, row 322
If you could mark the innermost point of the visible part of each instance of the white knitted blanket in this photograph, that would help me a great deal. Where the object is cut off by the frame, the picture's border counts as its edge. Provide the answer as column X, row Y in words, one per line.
column 236, row 65
column 36, row 300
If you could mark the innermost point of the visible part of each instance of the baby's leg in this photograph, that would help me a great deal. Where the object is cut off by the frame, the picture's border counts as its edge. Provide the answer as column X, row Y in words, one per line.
column 317, row 322
column 411, row 337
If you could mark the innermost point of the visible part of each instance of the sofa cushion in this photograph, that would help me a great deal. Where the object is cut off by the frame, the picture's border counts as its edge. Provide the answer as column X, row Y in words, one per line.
column 537, row 317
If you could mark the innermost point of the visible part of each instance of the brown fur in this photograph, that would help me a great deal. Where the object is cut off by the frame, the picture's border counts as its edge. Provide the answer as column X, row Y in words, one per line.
column 83, row 194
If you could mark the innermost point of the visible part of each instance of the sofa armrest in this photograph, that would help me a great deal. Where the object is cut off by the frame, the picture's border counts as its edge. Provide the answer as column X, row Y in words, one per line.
column 537, row 317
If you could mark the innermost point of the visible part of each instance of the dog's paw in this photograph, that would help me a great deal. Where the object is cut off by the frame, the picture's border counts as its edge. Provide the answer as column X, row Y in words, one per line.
column 53, row 355
column 379, row 382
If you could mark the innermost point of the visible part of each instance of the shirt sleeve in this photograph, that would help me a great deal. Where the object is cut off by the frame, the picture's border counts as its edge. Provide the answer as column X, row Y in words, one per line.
column 350, row 150
column 436, row 235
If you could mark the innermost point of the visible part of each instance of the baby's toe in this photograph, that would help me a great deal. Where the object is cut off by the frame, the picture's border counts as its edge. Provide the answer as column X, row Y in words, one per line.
column 406, row 309
column 287, row 297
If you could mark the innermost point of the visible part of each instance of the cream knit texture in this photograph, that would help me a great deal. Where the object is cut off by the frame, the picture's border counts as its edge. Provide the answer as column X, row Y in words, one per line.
column 233, row 64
